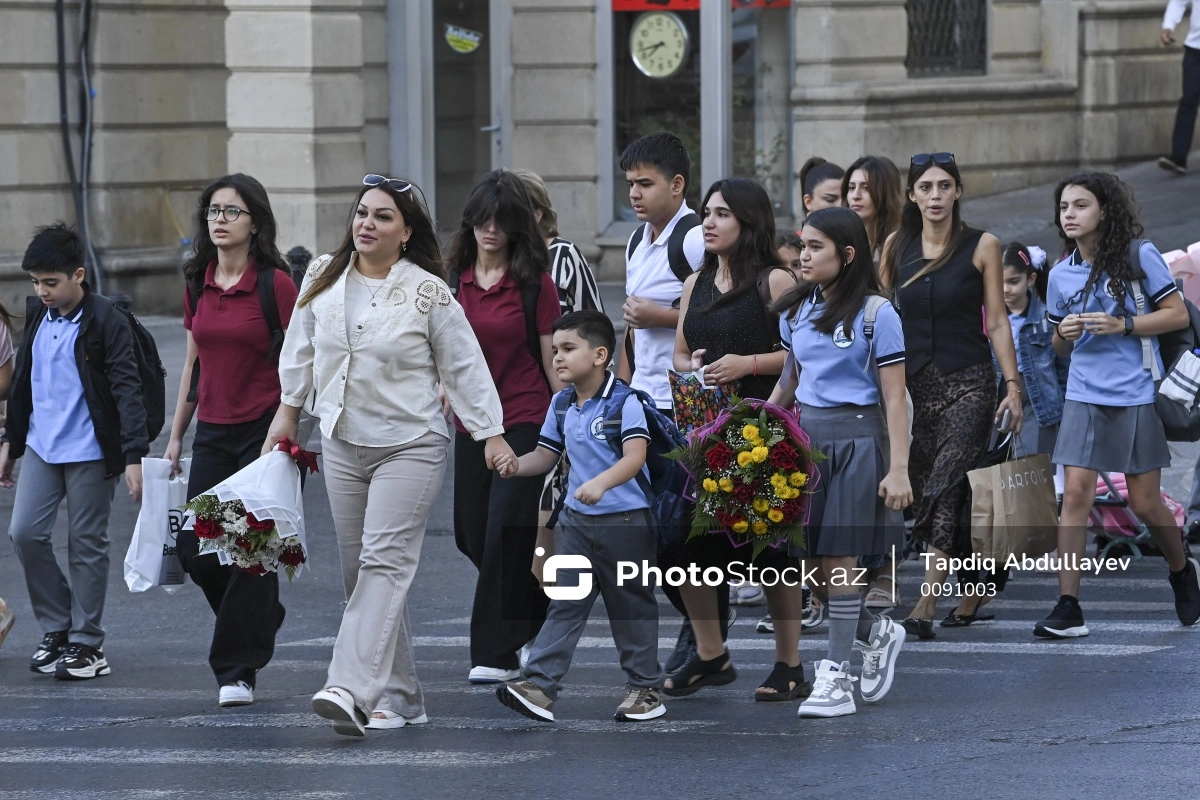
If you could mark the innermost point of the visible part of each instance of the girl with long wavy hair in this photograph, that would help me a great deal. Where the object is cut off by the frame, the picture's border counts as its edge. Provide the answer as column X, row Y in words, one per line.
column 375, row 332
column 236, row 394
column 1109, row 422
column 726, row 326
column 497, row 258
column 944, row 276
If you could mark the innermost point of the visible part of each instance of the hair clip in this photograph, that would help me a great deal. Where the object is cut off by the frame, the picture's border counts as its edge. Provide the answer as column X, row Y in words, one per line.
column 1039, row 258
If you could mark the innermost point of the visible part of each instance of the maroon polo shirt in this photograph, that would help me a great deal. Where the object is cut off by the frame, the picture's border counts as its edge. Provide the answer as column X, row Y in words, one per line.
column 238, row 382
column 499, row 324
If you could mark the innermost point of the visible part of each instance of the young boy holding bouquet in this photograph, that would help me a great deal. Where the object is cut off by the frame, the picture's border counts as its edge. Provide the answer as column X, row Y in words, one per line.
column 605, row 517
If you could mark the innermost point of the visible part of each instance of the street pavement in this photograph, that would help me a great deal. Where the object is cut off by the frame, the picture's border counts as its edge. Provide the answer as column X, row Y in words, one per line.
column 982, row 711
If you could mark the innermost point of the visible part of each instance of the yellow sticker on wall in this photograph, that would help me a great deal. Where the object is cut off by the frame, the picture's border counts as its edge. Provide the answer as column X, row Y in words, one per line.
column 462, row 40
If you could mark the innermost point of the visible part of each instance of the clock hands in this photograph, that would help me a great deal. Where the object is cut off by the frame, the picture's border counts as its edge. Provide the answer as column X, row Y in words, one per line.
column 647, row 51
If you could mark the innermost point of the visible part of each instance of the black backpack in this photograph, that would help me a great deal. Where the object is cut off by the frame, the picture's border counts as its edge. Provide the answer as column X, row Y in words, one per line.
column 149, row 365
column 1180, row 423
column 676, row 259
column 265, row 281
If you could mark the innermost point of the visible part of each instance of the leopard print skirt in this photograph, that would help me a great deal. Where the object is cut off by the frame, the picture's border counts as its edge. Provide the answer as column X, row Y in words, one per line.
column 952, row 422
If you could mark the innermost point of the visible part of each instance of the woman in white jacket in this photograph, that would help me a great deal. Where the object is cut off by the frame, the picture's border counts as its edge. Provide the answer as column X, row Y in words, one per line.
column 374, row 332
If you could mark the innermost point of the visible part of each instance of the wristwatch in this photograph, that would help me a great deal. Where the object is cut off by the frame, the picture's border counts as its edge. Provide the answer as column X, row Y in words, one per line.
column 1128, row 326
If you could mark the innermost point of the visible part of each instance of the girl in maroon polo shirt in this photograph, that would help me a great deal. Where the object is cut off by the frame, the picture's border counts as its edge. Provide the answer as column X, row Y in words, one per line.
column 497, row 250
column 235, row 402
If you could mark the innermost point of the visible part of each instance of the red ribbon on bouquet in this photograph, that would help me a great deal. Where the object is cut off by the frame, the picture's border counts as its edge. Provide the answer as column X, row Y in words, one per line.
column 305, row 459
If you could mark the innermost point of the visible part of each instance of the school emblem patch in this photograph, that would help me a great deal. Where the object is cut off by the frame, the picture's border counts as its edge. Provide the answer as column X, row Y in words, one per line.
column 598, row 428
column 840, row 338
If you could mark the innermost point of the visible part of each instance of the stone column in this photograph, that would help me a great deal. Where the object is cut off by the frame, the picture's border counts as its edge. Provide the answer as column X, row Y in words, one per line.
column 295, row 102
column 554, row 107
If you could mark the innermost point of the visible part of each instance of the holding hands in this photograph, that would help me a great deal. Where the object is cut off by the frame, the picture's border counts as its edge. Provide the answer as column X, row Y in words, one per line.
column 896, row 490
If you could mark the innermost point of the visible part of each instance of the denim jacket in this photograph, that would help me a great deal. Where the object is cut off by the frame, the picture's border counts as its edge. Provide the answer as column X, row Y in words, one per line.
column 1045, row 372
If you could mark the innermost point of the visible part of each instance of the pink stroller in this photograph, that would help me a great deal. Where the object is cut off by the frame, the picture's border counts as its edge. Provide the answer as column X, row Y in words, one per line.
column 1114, row 525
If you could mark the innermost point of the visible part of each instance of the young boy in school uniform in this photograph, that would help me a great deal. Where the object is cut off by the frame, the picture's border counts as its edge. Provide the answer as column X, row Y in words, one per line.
column 605, row 517
column 76, row 413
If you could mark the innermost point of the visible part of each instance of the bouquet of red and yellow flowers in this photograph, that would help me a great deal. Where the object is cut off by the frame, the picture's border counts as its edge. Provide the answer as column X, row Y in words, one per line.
column 753, row 470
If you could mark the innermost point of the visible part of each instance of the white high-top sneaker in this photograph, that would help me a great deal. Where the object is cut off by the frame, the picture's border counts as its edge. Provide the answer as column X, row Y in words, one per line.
column 833, row 691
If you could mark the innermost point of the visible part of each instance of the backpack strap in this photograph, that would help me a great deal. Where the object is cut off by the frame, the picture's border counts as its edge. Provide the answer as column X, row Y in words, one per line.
column 634, row 241
column 530, row 294
column 1149, row 362
column 675, row 255
column 270, row 310
column 871, row 308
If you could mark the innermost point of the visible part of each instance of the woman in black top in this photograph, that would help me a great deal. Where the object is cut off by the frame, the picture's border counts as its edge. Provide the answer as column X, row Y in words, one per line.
column 945, row 276
column 725, row 326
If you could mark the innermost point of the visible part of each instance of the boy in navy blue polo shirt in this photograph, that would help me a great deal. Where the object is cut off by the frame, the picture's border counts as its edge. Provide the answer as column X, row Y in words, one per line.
column 76, row 414
column 605, row 518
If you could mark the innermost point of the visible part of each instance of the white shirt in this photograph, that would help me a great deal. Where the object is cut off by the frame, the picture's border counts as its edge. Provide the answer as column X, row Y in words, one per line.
column 377, row 385
column 1174, row 16
column 360, row 291
column 648, row 274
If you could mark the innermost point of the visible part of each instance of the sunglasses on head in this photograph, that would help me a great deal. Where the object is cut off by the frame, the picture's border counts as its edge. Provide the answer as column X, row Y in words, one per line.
column 921, row 159
column 395, row 184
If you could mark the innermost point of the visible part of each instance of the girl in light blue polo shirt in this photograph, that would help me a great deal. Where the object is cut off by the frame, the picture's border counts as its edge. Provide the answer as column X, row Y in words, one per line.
column 1109, row 421
column 841, row 372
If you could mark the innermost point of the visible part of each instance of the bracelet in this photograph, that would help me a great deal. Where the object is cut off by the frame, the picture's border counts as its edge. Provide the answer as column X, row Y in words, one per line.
column 755, row 363
column 1017, row 382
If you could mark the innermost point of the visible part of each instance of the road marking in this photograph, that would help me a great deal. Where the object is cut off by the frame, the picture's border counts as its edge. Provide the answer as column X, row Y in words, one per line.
column 271, row 756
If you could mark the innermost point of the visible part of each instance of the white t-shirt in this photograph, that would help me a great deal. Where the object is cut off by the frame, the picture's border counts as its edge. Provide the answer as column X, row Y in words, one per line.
column 648, row 274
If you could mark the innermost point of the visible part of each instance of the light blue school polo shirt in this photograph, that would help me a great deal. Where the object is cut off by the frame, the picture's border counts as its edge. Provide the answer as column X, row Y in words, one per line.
column 60, row 426
column 835, row 368
column 590, row 453
column 1106, row 370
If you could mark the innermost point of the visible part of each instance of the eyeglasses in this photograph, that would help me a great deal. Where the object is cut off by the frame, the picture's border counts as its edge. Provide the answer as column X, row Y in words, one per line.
column 230, row 213
column 921, row 159
column 395, row 184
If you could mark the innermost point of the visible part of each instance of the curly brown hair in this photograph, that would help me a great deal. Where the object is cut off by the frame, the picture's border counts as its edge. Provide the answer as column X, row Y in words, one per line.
column 1119, row 226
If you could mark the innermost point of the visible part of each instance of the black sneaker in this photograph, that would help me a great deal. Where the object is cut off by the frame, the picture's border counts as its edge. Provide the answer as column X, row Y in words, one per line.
column 1064, row 622
column 1187, row 594
column 1192, row 532
column 47, row 654
column 80, row 662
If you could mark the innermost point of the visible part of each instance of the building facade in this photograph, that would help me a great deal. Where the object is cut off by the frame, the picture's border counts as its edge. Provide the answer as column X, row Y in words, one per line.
column 309, row 96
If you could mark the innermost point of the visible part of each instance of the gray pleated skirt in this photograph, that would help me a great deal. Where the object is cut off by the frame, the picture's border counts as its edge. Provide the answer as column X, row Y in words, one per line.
column 1128, row 439
column 848, row 515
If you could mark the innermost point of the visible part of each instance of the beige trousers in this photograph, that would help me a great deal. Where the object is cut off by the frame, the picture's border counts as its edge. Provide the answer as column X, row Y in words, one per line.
column 380, row 498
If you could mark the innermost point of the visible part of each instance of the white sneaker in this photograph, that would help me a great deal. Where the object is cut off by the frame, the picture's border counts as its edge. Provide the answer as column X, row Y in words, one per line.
column 833, row 691
column 493, row 675
column 236, row 694
column 524, row 653
column 879, row 659
column 390, row 720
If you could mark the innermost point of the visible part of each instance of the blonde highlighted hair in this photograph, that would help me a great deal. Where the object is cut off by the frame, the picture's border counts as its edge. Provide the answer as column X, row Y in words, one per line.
column 548, row 224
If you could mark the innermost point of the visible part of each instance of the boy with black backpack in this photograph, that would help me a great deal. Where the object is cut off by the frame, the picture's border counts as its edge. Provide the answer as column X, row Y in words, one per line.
column 77, row 411
column 659, row 256
column 606, row 517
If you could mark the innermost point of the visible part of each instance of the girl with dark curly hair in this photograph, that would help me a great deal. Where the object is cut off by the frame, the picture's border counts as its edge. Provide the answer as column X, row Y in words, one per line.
column 1109, row 422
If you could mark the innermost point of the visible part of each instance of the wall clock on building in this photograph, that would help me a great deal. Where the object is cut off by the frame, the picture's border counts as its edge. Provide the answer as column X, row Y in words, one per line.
column 659, row 44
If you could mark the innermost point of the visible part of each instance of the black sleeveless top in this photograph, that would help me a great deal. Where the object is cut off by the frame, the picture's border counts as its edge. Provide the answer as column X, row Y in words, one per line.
column 942, row 312
column 741, row 327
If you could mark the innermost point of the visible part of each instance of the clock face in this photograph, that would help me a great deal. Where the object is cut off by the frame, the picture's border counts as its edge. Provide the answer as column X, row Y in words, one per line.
column 659, row 44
